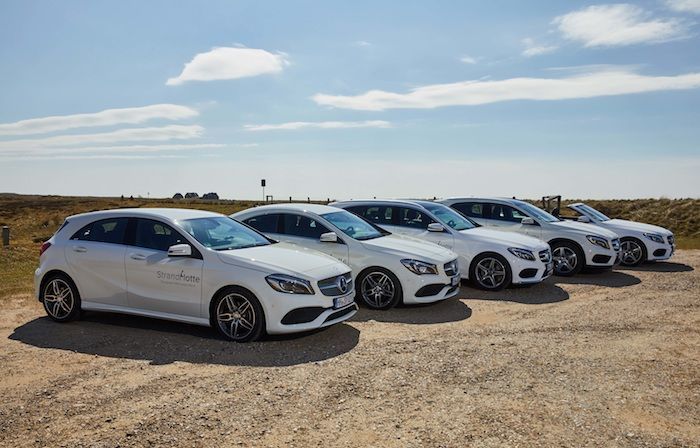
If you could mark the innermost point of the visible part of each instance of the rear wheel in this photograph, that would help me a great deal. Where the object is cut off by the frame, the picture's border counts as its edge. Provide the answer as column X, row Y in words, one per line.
column 60, row 298
column 568, row 258
column 632, row 251
column 238, row 316
column 378, row 289
column 490, row 272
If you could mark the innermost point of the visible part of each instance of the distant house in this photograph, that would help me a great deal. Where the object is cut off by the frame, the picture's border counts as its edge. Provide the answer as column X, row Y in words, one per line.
column 211, row 196
column 177, row 196
column 191, row 196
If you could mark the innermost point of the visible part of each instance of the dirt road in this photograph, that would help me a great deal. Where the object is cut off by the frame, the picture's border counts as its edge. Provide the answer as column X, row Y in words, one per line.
column 609, row 359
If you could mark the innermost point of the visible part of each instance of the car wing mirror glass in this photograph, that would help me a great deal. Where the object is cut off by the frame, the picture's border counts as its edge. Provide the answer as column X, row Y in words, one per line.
column 329, row 237
column 435, row 227
column 180, row 250
column 527, row 221
column 584, row 219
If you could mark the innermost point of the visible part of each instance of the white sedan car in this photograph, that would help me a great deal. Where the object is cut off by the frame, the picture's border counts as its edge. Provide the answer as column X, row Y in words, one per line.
column 574, row 245
column 388, row 268
column 190, row 266
column 493, row 260
column 639, row 242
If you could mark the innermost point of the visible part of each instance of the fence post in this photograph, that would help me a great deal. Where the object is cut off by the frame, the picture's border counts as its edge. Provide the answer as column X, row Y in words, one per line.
column 5, row 236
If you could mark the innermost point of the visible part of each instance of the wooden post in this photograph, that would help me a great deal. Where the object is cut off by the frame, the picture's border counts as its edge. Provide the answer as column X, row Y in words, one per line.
column 5, row 236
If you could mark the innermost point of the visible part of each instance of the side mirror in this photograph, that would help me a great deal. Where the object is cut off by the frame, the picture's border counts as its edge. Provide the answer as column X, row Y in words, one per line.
column 435, row 227
column 527, row 221
column 329, row 237
column 583, row 219
column 180, row 250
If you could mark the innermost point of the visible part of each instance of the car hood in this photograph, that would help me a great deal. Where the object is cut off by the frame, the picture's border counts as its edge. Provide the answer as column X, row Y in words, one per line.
column 408, row 247
column 585, row 228
column 509, row 239
column 632, row 226
column 285, row 258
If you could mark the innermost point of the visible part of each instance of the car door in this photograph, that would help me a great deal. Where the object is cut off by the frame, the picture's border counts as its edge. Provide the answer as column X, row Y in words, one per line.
column 414, row 222
column 95, row 254
column 477, row 211
column 157, row 282
column 306, row 231
column 505, row 217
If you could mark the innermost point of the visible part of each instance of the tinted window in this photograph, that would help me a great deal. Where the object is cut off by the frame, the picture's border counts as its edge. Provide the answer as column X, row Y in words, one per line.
column 223, row 233
column 505, row 213
column 409, row 217
column 264, row 223
column 298, row 225
column 352, row 225
column 155, row 235
column 104, row 231
column 449, row 217
column 475, row 209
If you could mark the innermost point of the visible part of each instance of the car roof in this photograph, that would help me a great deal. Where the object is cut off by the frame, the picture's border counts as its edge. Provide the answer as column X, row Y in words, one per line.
column 318, row 209
column 173, row 214
column 383, row 201
column 493, row 199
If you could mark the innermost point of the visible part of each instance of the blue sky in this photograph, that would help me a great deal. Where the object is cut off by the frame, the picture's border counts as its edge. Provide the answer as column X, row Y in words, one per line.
column 351, row 99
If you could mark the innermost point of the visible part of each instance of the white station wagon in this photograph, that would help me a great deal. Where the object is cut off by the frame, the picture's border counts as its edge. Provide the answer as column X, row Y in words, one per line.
column 190, row 266
column 388, row 268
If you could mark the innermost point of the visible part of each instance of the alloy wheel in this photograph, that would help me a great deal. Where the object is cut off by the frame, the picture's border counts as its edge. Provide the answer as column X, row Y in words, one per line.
column 565, row 259
column 377, row 289
column 631, row 253
column 59, row 299
column 490, row 273
column 235, row 316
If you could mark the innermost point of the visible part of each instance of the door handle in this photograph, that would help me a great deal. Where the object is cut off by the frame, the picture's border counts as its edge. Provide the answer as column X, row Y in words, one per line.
column 79, row 249
column 137, row 257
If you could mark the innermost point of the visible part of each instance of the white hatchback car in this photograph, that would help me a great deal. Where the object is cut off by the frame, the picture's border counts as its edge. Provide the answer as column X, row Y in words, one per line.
column 492, row 260
column 574, row 245
column 190, row 266
column 388, row 268
column 639, row 242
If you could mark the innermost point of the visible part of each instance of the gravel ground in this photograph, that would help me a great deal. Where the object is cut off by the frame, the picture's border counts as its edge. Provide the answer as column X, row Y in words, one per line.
column 608, row 359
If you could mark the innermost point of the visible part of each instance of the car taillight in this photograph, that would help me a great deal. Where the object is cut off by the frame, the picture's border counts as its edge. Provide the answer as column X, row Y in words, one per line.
column 44, row 246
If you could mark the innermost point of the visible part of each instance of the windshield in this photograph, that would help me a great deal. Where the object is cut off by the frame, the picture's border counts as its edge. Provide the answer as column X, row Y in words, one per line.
column 352, row 226
column 537, row 213
column 595, row 214
column 222, row 233
column 449, row 217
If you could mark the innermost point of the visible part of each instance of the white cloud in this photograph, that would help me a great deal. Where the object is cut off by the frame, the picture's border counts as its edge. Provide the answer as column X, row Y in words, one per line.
column 49, row 150
column 684, row 5
column 318, row 125
column 108, row 117
column 533, row 49
column 94, row 157
column 230, row 63
column 618, row 25
column 468, row 60
column 470, row 93
column 362, row 43
column 173, row 132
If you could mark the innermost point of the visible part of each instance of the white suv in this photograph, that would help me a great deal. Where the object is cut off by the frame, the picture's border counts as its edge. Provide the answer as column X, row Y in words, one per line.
column 190, row 266
column 574, row 245
column 639, row 242
column 388, row 268
column 492, row 260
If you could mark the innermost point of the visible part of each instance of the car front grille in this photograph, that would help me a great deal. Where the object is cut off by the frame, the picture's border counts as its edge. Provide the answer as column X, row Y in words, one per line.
column 671, row 240
column 545, row 256
column 451, row 268
column 332, row 286
column 616, row 244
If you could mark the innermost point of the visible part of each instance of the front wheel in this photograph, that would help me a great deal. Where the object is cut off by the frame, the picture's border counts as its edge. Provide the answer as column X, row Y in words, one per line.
column 632, row 252
column 568, row 259
column 60, row 298
column 379, row 289
column 238, row 316
column 490, row 272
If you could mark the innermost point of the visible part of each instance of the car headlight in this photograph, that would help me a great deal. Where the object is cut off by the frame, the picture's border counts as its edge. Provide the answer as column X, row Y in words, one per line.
column 598, row 241
column 419, row 267
column 289, row 284
column 655, row 237
column 522, row 253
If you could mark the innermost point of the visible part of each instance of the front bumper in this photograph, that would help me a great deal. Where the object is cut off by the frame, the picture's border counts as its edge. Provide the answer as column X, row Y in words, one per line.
column 525, row 272
column 430, row 288
column 291, row 313
column 659, row 251
column 597, row 256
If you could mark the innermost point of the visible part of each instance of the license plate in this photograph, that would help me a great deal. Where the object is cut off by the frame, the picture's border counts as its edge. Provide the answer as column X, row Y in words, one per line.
column 340, row 302
column 455, row 280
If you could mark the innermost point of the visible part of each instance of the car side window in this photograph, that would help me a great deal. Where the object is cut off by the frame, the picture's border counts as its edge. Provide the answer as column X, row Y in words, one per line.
column 265, row 223
column 152, row 234
column 415, row 219
column 377, row 214
column 303, row 226
column 472, row 209
column 110, row 230
column 503, row 212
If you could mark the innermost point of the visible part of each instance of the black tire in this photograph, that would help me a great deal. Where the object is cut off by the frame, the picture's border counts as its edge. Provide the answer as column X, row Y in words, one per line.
column 60, row 298
column 487, row 265
column 381, row 300
column 244, row 312
column 563, row 268
column 629, row 261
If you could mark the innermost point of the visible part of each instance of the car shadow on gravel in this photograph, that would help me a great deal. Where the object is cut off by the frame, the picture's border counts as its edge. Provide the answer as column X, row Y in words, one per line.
column 659, row 266
column 608, row 278
column 542, row 293
column 164, row 342
column 450, row 310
